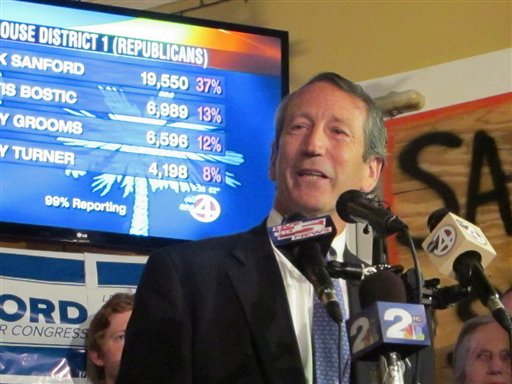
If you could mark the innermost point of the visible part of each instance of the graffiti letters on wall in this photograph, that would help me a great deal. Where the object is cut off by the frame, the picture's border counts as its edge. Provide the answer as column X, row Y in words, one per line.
column 460, row 158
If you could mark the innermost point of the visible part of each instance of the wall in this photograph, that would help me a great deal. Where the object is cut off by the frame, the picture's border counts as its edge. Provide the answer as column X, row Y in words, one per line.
column 370, row 39
column 476, row 110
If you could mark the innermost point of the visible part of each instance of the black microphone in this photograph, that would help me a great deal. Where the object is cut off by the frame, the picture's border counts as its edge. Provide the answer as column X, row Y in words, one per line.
column 383, row 286
column 433, row 295
column 311, row 263
column 297, row 228
column 358, row 271
column 355, row 206
column 445, row 297
column 305, row 241
column 458, row 248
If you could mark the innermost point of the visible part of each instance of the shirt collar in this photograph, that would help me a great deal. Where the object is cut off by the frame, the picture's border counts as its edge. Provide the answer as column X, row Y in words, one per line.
column 274, row 218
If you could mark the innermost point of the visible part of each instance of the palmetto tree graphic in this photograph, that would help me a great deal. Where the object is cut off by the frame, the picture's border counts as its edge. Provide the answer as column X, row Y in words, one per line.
column 123, row 112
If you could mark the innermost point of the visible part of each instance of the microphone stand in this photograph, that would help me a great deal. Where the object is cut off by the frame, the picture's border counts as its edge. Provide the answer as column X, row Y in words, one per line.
column 351, row 271
column 392, row 368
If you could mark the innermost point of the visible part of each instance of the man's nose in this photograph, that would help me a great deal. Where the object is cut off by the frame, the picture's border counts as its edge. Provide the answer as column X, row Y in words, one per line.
column 315, row 142
column 496, row 365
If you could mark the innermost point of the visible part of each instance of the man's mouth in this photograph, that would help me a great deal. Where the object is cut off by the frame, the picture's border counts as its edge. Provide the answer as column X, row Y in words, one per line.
column 312, row 173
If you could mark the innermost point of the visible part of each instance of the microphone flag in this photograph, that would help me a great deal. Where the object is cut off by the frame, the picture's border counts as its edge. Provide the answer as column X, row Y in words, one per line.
column 386, row 327
column 452, row 237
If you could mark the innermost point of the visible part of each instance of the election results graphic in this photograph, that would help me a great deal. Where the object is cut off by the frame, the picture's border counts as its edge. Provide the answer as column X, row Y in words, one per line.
column 135, row 125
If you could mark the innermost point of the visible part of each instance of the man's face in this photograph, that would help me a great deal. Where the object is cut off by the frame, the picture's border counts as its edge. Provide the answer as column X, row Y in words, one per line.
column 489, row 356
column 113, row 345
column 320, row 153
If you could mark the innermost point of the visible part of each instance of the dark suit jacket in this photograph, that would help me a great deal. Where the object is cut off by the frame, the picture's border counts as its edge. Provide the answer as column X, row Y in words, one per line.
column 214, row 311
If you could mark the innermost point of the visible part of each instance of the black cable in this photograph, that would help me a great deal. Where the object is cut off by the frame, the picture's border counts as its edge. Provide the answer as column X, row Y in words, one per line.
column 419, row 298
column 417, row 271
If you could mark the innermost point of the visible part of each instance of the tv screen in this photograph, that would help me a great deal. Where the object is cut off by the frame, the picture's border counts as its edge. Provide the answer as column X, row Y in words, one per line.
column 132, row 128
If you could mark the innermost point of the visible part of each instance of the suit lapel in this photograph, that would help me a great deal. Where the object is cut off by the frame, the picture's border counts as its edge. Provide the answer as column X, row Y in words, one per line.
column 257, row 280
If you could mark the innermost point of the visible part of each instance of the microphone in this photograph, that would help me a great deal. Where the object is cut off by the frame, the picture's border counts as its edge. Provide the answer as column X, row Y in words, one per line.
column 433, row 295
column 387, row 325
column 459, row 249
column 355, row 206
column 444, row 297
column 297, row 229
column 450, row 236
column 358, row 271
column 383, row 286
column 311, row 263
column 305, row 242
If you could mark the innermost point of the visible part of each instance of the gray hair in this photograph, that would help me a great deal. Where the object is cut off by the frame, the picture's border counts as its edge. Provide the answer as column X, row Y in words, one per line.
column 374, row 130
column 463, row 345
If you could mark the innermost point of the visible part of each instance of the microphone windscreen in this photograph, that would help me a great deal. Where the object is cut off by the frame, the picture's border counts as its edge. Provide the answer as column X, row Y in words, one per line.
column 382, row 286
column 435, row 218
column 342, row 205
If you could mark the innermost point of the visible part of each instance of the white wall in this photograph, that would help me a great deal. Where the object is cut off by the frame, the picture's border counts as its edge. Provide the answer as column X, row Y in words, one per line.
column 452, row 83
column 442, row 85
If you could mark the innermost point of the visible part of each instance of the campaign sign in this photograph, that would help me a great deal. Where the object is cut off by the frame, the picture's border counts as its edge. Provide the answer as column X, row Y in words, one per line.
column 47, row 300
column 388, row 327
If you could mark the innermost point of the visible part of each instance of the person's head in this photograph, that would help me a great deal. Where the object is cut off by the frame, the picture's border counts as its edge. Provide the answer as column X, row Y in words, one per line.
column 482, row 353
column 330, row 137
column 106, row 335
column 506, row 299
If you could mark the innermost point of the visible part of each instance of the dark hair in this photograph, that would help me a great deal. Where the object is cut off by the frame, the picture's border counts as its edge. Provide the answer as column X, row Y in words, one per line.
column 119, row 303
column 375, row 135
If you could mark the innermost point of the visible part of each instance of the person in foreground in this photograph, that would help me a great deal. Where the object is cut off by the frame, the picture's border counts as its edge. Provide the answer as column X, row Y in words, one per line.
column 482, row 353
column 106, row 335
column 233, row 309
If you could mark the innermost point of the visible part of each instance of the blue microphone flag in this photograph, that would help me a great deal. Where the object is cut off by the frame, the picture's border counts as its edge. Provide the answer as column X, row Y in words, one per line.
column 388, row 327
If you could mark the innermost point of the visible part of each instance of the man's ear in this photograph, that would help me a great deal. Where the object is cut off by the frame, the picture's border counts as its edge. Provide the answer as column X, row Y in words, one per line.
column 96, row 357
column 374, row 168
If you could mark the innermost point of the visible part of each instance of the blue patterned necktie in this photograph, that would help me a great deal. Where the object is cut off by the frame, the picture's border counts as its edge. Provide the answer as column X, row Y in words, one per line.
column 326, row 342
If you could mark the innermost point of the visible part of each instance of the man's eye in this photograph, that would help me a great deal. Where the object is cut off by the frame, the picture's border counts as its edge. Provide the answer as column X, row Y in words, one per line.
column 483, row 356
column 339, row 131
column 297, row 128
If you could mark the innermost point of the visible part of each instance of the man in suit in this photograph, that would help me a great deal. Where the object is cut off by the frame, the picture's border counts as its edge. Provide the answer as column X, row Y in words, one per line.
column 234, row 309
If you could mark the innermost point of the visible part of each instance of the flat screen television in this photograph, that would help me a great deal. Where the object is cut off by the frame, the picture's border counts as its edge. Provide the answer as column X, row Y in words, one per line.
column 128, row 128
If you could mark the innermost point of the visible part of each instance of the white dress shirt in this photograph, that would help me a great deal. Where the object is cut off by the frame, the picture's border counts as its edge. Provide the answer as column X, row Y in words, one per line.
column 300, row 296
